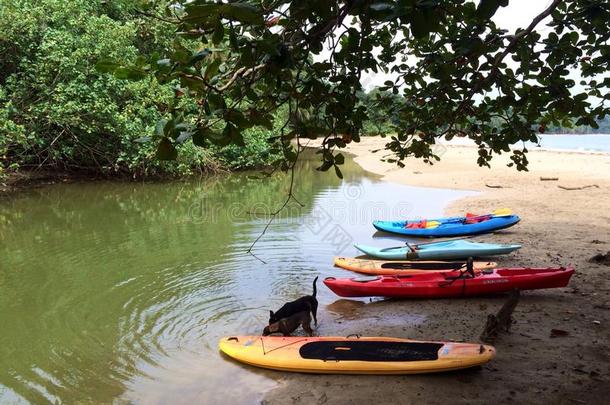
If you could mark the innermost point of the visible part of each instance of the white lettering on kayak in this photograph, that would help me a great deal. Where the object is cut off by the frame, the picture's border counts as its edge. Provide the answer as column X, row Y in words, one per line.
column 497, row 281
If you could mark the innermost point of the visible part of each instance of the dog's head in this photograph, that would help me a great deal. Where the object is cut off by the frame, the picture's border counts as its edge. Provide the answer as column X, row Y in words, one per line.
column 272, row 317
column 271, row 328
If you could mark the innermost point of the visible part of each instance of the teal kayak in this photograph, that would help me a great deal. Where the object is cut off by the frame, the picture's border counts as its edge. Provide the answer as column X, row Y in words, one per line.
column 445, row 250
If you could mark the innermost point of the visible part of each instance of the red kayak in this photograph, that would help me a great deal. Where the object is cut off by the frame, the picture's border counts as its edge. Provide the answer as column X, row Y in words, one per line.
column 451, row 284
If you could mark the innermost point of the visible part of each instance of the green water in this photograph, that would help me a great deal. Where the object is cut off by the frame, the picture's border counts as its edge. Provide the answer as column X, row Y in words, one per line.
column 118, row 292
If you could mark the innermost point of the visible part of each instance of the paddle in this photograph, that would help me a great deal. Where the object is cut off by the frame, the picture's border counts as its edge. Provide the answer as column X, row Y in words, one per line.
column 500, row 212
column 423, row 266
column 416, row 245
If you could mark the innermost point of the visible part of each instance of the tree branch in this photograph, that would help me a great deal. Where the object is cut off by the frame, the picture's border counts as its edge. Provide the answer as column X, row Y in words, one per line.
column 334, row 22
column 526, row 31
column 242, row 72
column 494, row 69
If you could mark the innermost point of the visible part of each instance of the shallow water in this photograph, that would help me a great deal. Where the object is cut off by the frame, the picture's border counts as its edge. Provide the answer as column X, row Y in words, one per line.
column 119, row 291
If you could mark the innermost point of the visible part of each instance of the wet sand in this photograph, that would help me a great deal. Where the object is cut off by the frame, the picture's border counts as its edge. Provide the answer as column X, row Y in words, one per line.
column 558, row 227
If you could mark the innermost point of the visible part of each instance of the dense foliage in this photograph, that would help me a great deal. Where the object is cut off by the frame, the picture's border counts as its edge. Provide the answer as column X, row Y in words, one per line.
column 603, row 127
column 382, row 108
column 455, row 69
column 58, row 111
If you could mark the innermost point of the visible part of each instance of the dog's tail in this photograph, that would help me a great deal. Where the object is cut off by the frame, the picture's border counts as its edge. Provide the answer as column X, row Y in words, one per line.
column 314, row 287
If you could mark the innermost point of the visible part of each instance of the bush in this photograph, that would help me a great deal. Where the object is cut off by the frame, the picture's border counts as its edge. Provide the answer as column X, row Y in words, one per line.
column 381, row 107
column 57, row 110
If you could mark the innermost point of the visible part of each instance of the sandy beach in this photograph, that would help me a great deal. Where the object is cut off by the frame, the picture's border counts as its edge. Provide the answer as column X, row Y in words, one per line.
column 558, row 227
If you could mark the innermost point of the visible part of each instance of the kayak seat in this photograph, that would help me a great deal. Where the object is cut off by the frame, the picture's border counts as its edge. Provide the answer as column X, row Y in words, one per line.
column 417, row 225
column 370, row 351
column 475, row 219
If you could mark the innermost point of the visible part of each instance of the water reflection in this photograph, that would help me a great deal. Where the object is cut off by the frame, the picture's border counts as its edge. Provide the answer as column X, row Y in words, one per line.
column 120, row 291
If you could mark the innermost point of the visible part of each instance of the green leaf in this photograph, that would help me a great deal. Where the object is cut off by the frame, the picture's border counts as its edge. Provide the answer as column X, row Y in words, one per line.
column 166, row 150
column 200, row 136
column 339, row 159
column 183, row 136
column 160, row 127
column 338, row 172
column 327, row 164
column 419, row 25
column 192, row 83
column 212, row 69
column 202, row 14
column 487, row 8
column 237, row 118
column 290, row 155
column 470, row 45
column 242, row 12
column 199, row 55
column 233, row 134
column 143, row 139
column 382, row 6
column 218, row 138
column 106, row 66
column 219, row 33
column 129, row 73
column 264, row 120
column 233, row 39
column 216, row 101
column 169, row 127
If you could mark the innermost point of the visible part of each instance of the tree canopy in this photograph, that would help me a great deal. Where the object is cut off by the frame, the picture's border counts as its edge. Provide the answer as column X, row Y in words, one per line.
column 456, row 72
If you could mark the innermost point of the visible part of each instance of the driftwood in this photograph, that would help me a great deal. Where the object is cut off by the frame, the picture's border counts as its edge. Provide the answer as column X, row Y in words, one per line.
column 578, row 188
column 559, row 333
column 601, row 258
column 493, row 186
column 502, row 321
column 549, row 178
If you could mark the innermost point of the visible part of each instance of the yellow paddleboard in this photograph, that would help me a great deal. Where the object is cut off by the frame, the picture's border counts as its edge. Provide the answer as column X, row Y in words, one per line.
column 392, row 267
column 354, row 355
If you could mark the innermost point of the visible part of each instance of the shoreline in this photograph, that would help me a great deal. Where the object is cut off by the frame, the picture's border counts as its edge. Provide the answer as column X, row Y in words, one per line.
column 601, row 146
column 558, row 227
column 21, row 181
column 543, row 149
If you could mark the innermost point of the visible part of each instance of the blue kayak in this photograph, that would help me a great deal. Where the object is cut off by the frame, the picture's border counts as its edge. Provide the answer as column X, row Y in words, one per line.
column 445, row 250
column 447, row 227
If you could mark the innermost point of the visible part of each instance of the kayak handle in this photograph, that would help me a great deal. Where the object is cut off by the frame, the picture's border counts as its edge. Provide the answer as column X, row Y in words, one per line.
column 356, row 335
column 411, row 246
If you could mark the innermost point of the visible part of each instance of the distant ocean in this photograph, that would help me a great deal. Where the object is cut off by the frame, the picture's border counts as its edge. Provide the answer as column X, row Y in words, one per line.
column 564, row 142
column 583, row 143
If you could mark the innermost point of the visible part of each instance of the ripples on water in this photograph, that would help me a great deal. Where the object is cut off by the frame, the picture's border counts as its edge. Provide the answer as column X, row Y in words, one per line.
column 119, row 292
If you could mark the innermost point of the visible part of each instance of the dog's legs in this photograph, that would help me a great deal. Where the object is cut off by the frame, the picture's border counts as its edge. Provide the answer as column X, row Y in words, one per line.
column 307, row 328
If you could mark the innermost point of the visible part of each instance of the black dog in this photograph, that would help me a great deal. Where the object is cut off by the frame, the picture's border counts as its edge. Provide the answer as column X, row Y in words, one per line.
column 307, row 303
column 286, row 326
